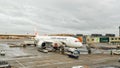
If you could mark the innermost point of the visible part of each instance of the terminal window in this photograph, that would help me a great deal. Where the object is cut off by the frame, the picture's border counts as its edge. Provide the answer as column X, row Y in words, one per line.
column 92, row 39
column 112, row 38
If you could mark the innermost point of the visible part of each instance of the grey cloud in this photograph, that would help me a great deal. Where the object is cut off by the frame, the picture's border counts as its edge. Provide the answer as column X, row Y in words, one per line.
column 60, row 16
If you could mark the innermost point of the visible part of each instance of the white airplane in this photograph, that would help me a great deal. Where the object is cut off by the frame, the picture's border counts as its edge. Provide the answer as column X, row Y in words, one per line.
column 58, row 41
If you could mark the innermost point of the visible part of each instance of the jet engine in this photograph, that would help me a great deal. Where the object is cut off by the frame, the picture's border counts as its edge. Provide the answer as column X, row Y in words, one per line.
column 40, row 44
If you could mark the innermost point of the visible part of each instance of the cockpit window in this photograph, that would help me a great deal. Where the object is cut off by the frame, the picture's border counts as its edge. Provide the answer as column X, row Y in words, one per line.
column 77, row 41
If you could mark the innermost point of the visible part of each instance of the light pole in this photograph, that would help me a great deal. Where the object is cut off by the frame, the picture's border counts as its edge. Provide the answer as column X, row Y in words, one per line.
column 119, row 30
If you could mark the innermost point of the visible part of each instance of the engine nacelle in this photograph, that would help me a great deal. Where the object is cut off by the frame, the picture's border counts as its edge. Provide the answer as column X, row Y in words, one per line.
column 40, row 44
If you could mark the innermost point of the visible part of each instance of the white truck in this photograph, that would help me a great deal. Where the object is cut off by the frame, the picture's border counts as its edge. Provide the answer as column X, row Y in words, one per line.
column 2, row 52
column 4, row 64
column 73, row 53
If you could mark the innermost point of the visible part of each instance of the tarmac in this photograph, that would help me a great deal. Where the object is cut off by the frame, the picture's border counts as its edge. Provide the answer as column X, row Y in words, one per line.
column 29, row 57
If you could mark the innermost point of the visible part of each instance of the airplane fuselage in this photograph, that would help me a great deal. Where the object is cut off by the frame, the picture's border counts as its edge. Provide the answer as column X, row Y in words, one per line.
column 69, row 41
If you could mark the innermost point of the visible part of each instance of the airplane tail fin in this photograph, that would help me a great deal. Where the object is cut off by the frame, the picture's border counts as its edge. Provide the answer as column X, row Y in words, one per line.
column 35, row 32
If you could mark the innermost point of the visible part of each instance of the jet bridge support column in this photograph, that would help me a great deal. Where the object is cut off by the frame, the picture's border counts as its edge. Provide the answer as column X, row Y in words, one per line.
column 62, row 50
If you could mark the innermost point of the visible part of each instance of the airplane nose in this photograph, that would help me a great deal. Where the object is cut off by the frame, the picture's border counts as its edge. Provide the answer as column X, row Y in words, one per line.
column 80, row 44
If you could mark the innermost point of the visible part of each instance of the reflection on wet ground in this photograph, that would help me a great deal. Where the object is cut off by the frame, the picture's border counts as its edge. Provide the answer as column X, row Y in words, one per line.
column 31, row 50
column 12, row 52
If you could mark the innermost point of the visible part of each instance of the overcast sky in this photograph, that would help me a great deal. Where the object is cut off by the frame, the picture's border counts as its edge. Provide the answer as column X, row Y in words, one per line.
column 59, row 16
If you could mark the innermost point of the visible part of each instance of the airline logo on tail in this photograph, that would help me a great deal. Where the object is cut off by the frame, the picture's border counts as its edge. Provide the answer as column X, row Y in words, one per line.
column 36, row 33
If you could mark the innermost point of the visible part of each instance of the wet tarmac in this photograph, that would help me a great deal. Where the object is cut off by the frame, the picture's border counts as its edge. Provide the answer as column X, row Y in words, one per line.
column 29, row 57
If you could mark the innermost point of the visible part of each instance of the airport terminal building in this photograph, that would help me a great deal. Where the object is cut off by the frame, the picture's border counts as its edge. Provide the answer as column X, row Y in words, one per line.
column 93, row 38
column 16, row 36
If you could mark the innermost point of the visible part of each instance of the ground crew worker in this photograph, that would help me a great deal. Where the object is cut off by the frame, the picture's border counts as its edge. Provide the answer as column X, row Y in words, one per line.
column 111, row 52
column 88, row 48
column 63, row 50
